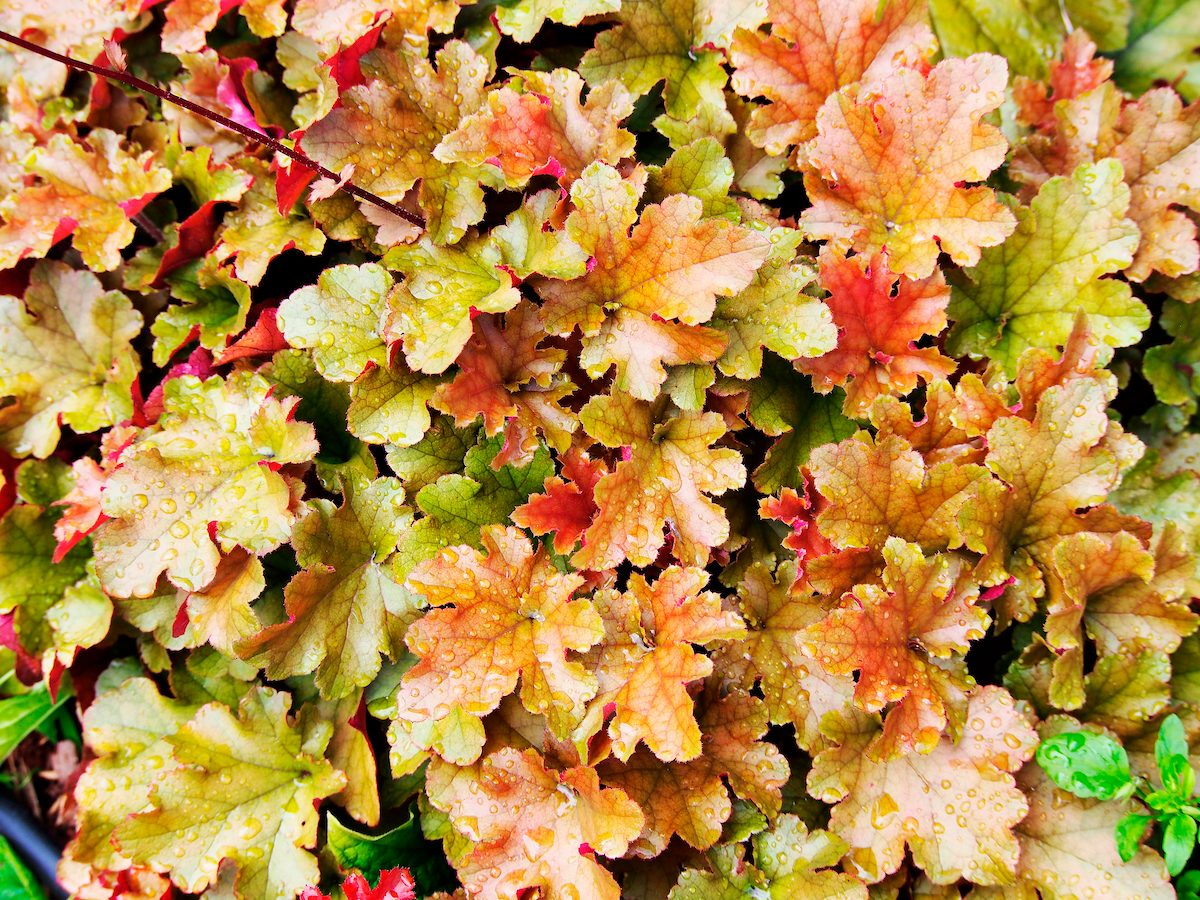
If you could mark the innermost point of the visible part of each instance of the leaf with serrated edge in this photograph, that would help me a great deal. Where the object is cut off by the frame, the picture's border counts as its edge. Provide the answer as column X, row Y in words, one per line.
column 927, row 137
column 65, row 357
column 341, row 609
column 245, row 790
column 205, row 462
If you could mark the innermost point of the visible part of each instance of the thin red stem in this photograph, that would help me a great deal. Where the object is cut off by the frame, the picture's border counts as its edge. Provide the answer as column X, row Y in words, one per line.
column 265, row 140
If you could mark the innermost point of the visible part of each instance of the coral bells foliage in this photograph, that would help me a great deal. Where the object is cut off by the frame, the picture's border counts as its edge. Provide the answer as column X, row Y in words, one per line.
column 784, row 418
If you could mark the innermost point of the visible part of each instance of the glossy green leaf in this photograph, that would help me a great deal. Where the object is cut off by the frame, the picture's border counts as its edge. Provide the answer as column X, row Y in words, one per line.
column 1086, row 764
column 16, row 881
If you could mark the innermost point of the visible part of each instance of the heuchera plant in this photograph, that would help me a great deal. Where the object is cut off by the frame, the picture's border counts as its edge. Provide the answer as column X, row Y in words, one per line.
column 584, row 449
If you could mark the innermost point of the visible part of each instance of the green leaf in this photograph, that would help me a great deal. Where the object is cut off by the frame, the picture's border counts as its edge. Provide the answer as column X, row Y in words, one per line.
column 1027, row 291
column 340, row 319
column 403, row 845
column 213, row 303
column 1188, row 885
column 1171, row 754
column 783, row 404
column 457, row 506
column 1027, row 32
column 16, row 881
column 345, row 608
column 442, row 451
column 1163, row 36
column 1129, row 833
column 245, row 790
column 1172, row 368
column 1179, row 837
column 20, row 716
column 1087, row 765
column 30, row 583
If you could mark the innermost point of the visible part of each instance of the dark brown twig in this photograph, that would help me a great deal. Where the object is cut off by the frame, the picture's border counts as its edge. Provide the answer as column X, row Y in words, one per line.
column 244, row 131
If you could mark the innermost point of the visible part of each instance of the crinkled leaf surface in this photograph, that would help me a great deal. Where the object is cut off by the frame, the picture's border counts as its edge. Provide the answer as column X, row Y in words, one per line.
column 647, row 657
column 672, row 265
column 405, row 94
column 345, row 607
column 666, row 479
column 879, row 320
column 891, row 162
column 905, row 639
column 209, row 460
column 542, row 820
column 83, row 184
column 815, row 49
column 668, row 42
column 65, row 357
column 954, row 808
column 245, row 790
column 498, row 615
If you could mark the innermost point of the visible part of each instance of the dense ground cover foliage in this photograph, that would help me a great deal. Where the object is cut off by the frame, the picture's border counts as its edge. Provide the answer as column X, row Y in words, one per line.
column 782, row 421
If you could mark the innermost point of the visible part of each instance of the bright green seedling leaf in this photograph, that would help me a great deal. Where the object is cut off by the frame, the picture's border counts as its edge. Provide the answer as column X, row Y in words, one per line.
column 1188, row 885
column 1086, row 764
column 1129, row 833
column 65, row 358
column 1179, row 839
column 1027, row 291
column 1171, row 755
column 345, row 608
column 16, row 881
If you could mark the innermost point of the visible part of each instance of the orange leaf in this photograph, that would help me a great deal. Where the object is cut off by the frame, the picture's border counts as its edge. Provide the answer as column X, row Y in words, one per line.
column 906, row 640
column 1066, row 459
column 955, row 807
column 669, row 470
column 530, row 827
column 499, row 615
column 890, row 161
column 689, row 798
column 505, row 377
column 536, row 124
column 646, row 660
column 673, row 264
column 816, row 47
column 567, row 506
column 879, row 320
column 796, row 686
column 880, row 486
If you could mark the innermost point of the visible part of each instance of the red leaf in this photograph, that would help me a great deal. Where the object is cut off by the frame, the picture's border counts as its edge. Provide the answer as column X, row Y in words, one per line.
column 263, row 338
